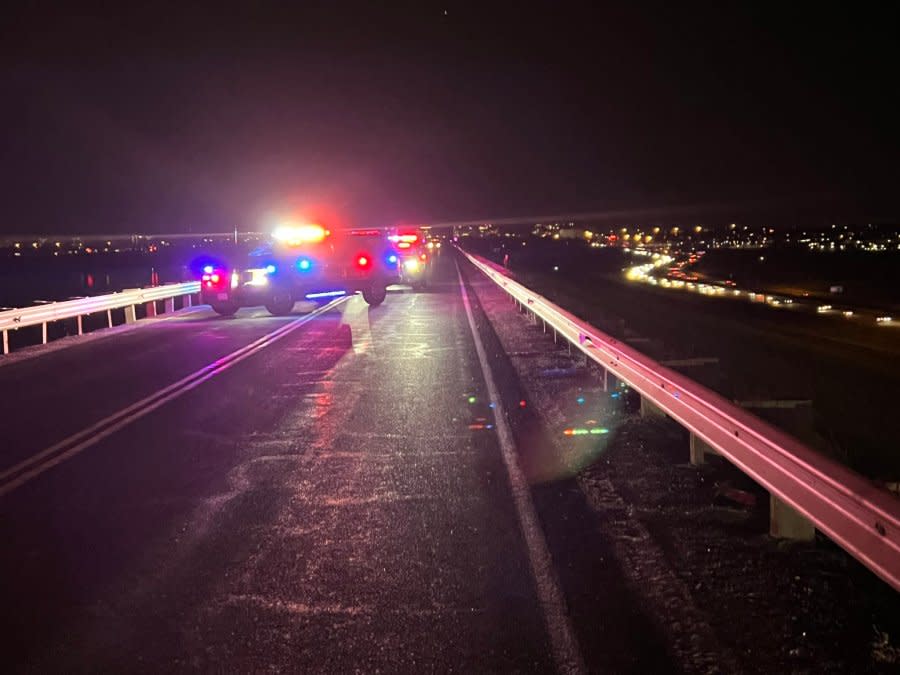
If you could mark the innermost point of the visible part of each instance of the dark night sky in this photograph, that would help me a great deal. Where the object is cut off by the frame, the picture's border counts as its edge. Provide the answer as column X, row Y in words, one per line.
column 163, row 119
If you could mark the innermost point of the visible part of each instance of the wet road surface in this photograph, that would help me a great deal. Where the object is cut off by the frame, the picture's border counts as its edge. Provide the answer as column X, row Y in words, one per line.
column 335, row 501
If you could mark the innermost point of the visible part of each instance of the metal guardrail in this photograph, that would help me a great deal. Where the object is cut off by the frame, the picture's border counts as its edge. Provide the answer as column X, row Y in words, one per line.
column 41, row 315
column 857, row 515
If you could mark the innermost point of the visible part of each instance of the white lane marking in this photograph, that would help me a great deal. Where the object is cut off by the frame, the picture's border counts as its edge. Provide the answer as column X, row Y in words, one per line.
column 566, row 652
column 57, row 453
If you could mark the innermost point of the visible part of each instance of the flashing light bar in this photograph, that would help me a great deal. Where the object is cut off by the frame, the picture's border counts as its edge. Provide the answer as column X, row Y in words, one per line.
column 295, row 235
column 404, row 238
column 325, row 294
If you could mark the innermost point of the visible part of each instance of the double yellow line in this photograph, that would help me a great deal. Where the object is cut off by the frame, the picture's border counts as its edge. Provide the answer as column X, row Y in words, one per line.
column 46, row 459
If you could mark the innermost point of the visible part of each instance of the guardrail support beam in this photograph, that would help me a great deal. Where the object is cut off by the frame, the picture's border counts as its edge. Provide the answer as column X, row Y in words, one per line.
column 151, row 309
column 129, row 314
column 786, row 522
column 6, row 342
column 188, row 301
column 169, row 305
column 78, row 321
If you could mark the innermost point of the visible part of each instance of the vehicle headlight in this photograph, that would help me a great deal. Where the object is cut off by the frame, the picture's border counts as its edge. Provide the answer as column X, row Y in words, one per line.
column 411, row 265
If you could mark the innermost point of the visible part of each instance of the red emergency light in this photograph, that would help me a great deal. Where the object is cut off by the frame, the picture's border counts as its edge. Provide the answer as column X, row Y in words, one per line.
column 211, row 279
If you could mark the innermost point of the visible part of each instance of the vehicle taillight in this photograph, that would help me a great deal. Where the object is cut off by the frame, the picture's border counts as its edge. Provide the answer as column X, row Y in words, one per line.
column 212, row 279
column 363, row 262
column 423, row 257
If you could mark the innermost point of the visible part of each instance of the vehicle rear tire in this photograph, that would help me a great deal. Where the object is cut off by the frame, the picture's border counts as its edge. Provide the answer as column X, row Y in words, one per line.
column 225, row 308
column 280, row 304
column 375, row 295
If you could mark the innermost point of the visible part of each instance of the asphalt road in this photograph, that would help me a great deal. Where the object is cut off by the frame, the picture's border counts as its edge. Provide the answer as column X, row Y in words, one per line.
column 333, row 501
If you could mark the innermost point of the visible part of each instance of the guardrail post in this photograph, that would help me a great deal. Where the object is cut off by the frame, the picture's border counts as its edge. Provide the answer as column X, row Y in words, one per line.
column 650, row 409
column 699, row 450
column 785, row 522
column 79, row 324
column 151, row 309
column 6, row 342
column 188, row 300
column 169, row 305
column 44, row 333
column 109, row 318
column 129, row 314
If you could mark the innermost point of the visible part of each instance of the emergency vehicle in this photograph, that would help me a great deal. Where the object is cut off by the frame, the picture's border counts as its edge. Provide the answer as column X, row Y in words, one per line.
column 304, row 262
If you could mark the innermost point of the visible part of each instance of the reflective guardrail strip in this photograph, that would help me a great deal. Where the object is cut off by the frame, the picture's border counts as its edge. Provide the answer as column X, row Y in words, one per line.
column 857, row 515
